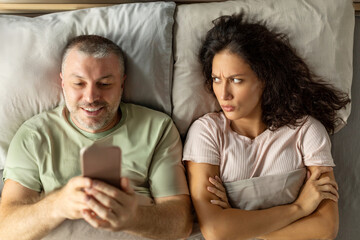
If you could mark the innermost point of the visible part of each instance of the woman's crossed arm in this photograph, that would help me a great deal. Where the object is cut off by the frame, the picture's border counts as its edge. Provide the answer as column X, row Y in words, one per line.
column 219, row 223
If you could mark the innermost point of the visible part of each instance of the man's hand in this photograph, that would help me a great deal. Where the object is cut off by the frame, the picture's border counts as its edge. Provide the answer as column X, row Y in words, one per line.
column 116, row 209
column 111, row 208
column 31, row 215
column 71, row 200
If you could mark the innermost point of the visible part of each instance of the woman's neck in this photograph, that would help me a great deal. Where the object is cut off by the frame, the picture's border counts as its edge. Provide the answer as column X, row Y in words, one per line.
column 248, row 127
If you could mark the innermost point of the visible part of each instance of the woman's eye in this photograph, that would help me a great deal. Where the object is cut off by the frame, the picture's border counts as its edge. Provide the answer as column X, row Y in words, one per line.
column 215, row 79
column 236, row 80
column 78, row 83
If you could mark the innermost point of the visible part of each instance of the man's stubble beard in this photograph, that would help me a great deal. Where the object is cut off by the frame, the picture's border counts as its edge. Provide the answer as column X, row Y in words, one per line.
column 75, row 113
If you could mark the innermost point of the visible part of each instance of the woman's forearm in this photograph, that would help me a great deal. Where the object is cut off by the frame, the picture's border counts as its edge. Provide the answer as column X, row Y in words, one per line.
column 323, row 223
column 242, row 224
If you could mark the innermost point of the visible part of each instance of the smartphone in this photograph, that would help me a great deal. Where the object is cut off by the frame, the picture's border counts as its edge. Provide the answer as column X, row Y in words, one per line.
column 102, row 163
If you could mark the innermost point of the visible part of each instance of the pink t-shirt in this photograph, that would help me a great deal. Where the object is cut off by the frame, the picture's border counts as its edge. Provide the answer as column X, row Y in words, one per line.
column 211, row 140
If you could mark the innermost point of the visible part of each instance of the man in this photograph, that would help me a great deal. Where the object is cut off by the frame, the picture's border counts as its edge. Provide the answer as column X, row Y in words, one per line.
column 43, row 186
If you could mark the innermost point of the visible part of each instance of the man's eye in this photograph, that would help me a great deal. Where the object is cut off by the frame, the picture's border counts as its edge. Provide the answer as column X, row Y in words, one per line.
column 104, row 84
column 78, row 83
column 237, row 80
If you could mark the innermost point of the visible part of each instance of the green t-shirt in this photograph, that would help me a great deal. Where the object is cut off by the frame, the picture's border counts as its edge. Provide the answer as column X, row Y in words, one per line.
column 45, row 152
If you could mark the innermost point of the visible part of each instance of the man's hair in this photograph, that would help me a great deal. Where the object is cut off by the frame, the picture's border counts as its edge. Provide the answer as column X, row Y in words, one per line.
column 95, row 46
column 291, row 90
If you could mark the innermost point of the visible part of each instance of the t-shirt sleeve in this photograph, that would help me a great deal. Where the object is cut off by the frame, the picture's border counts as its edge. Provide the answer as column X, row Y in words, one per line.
column 201, row 144
column 166, row 173
column 316, row 145
column 21, row 164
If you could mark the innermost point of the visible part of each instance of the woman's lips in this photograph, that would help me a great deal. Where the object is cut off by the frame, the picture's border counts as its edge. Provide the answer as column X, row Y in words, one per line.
column 227, row 108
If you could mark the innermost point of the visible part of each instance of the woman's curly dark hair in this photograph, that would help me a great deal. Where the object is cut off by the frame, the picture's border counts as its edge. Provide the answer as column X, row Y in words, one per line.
column 291, row 90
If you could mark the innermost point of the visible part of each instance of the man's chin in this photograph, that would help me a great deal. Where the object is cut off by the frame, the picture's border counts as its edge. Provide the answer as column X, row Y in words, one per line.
column 89, row 125
column 94, row 126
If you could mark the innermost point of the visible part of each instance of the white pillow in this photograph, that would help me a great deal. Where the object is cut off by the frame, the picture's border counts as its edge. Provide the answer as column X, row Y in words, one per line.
column 321, row 31
column 30, row 50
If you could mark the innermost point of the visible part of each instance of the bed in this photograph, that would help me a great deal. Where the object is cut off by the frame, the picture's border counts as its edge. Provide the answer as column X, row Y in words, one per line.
column 325, row 32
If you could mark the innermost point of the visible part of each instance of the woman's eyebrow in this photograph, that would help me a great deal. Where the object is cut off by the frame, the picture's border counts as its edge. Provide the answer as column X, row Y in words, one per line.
column 231, row 76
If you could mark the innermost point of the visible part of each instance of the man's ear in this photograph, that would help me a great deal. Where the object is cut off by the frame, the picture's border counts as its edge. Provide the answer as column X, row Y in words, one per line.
column 123, row 81
column 62, row 80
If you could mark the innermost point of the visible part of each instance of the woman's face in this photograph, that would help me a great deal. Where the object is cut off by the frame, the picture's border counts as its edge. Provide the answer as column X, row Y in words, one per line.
column 236, row 86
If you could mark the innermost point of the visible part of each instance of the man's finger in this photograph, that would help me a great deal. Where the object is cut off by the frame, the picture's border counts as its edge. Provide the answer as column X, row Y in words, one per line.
column 100, row 210
column 94, row 221
column 125, row 186
column 80, row 182
column 102, row 198
column 109, row 190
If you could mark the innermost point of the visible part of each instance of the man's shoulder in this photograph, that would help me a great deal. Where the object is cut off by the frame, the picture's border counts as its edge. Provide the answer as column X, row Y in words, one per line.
column 45, row 118
column 39, row 127
column 42, row 123
column 143, row 120
column 142, row 112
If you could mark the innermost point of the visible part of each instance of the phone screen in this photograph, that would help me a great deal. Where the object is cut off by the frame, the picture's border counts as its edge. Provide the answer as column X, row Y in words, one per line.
column 102, row 163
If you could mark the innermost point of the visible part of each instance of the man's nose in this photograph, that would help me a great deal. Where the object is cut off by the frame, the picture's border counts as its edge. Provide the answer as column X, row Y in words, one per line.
column 226, row 91
column 91, row 94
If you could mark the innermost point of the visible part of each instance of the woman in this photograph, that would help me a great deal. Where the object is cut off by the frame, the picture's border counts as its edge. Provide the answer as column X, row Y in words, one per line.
column 272, row 128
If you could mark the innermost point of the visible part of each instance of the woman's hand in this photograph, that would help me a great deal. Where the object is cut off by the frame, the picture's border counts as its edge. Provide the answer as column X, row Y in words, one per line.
column 317, row 189
column 219, row 191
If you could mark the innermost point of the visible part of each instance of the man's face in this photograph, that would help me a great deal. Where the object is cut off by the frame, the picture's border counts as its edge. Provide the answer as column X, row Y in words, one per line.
column 92, row 90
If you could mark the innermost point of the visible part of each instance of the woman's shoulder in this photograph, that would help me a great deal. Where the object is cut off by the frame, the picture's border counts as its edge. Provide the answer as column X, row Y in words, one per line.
column 216, row 118
column 211, row 125
column 203, row 139
column 210, row 121
column 312, row 127
column 306, row 126
column 310, row 122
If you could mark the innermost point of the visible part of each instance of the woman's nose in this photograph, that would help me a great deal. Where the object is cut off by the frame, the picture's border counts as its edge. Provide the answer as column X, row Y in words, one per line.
column 226, row 92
